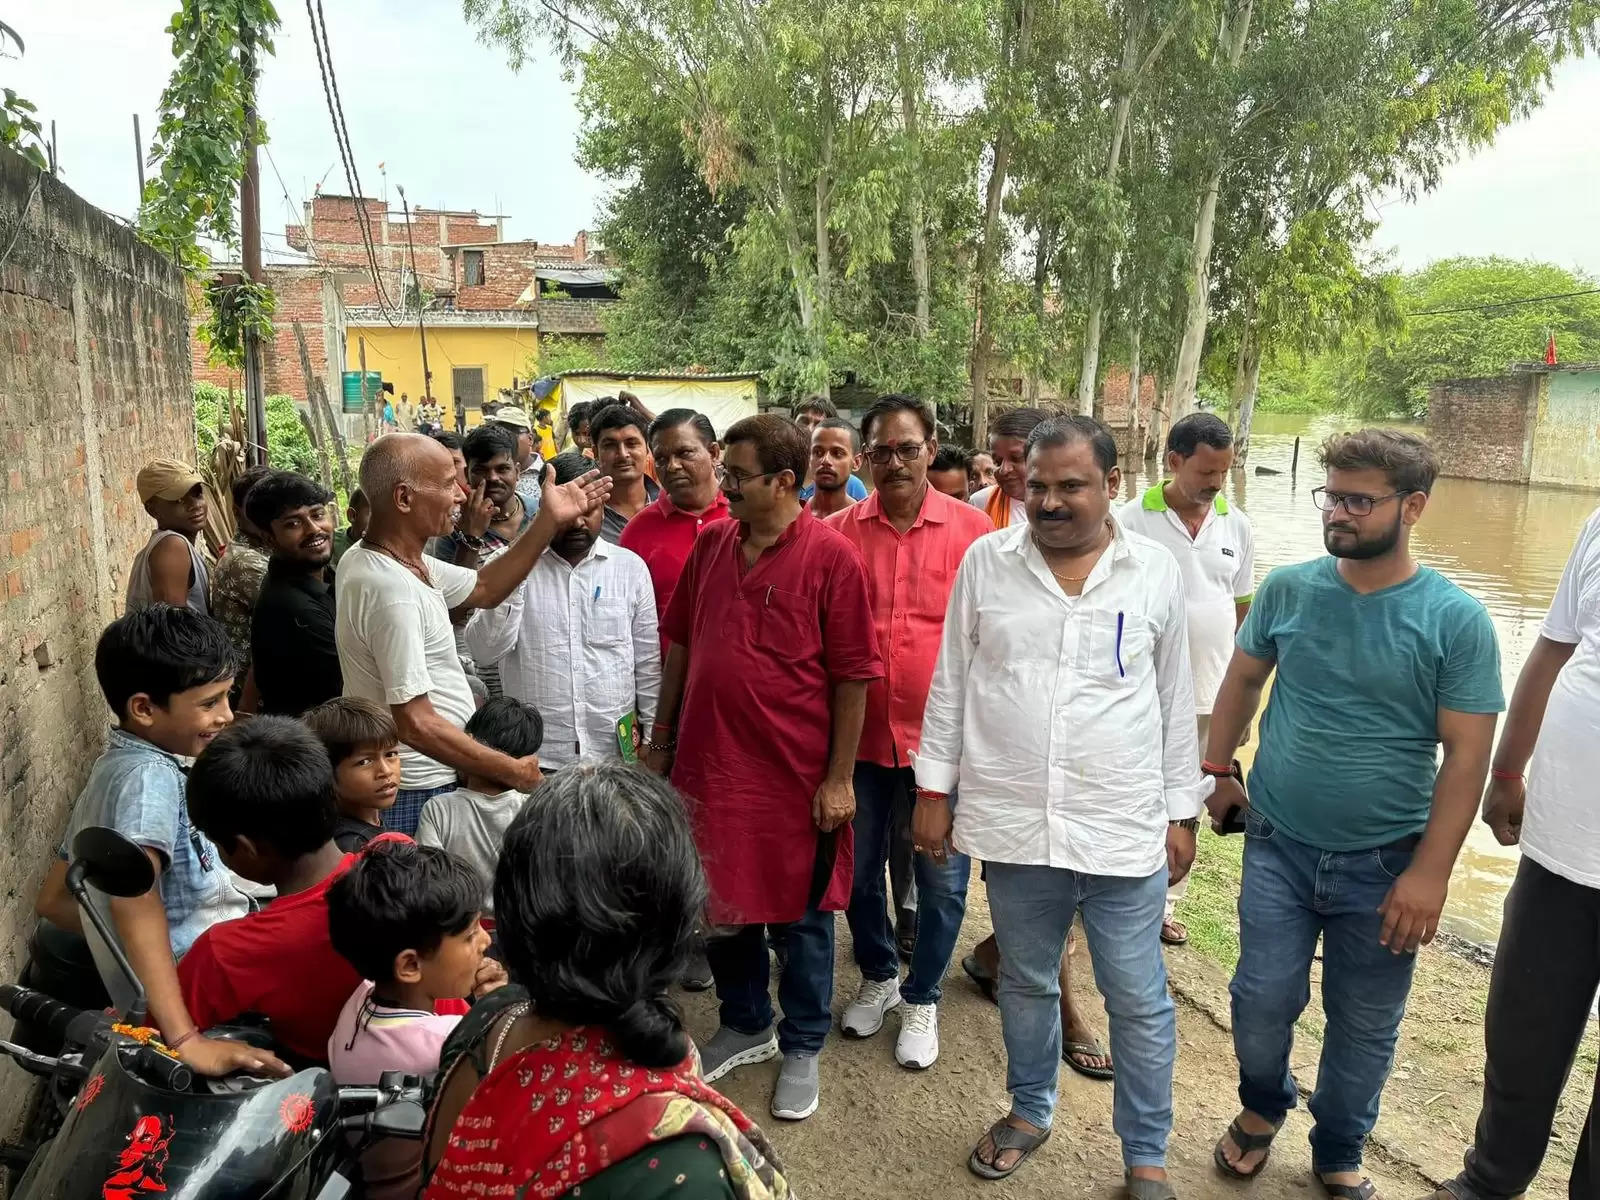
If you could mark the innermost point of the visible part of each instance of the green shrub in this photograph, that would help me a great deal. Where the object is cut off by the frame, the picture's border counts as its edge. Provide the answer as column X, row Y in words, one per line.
column 288, row 444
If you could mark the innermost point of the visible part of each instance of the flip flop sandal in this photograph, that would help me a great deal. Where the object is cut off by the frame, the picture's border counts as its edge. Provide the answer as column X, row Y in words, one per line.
column 1179, row 935
column 1365, row 1190
column 1087, row 1050
column 984, row 980
column 1005, row 1137
column 1246, row 1143
column 1149, row 1189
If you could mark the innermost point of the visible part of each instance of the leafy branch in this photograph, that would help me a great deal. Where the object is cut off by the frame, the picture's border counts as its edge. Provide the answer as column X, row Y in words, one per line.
column 19, row 128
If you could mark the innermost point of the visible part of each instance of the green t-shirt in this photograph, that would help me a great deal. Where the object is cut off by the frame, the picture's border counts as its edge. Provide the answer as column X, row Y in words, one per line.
column 1349, row 742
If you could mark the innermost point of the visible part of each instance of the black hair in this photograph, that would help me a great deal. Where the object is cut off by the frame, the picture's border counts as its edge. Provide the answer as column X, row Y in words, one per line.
column 1406, row 460
column 596, row 899
column 358, row 498
column 489, row 441
column 820, row 404
column 615, row 415
column 780, row 444
column 951, row 458
column 578, row 413
column 161, row 650
column 450, row 441
column 841, row 423
column 570, row 464
column 674, row 417
column 280, row 492
column 509, row 726
column 241, row 490
column 346, row 722
column 267, row 779
column 400, row 896
column 897, row 402
column 1074, row 427
column 1189, row 433
column 1017, row 423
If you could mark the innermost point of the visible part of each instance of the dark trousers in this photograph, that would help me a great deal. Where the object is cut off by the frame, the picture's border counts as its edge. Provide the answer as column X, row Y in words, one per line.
column 1546, row 969
column 805, row 986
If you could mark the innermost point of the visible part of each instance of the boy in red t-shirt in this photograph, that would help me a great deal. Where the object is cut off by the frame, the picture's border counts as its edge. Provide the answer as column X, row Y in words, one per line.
column 263, row 793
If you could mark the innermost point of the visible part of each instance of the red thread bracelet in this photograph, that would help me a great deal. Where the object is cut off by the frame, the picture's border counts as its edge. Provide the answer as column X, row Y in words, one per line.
column 1509, row 776
column 1211, row 768
column 173, row 1045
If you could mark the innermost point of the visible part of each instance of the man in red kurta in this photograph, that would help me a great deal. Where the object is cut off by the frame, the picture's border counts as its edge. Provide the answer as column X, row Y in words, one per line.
column 772, row 650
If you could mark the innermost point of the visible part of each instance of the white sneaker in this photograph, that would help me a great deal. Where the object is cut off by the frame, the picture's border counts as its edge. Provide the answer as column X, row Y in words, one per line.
column 917, row 1047
column 865, row 1015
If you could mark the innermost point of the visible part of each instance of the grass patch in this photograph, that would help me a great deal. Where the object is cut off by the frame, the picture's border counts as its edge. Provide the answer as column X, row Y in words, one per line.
column 1211, row 909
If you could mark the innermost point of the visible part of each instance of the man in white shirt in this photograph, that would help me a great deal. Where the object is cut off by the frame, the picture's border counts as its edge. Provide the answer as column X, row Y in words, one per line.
column 577, row 640
column 1216, row 551
column 1063, row 705
column 393, row 605
column 1548, row 959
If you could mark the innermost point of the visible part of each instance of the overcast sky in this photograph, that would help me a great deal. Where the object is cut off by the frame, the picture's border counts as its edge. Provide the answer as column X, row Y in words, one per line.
column 452, row 124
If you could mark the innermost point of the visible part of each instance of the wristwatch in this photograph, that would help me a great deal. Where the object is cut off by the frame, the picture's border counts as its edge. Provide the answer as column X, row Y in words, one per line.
column 1192, row 824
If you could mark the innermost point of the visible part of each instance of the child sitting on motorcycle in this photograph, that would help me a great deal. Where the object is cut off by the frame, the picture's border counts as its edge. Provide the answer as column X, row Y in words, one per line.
column 364, row 748
column 165, row 672
column 407, row 918
column 263, row 793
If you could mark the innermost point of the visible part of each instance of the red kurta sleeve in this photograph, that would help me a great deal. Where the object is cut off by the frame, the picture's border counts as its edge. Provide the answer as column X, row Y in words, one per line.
column 678, row 621
column 206, row 987
column 850, row 644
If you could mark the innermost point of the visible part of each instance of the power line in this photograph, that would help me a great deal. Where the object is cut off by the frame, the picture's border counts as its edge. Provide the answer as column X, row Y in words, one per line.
column 1434, row 312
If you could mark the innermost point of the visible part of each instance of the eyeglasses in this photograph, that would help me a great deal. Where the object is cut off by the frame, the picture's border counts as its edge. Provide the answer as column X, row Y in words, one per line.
column 905, row 451
column 1356, row 504
column 737, row 481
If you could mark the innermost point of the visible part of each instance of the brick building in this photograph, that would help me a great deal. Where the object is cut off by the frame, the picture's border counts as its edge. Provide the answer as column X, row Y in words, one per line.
column 1537, row 424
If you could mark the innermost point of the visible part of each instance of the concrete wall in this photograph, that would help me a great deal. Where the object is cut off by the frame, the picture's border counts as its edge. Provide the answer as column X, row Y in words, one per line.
column 1483, row 428
column 1566, row 433
column 94, row 382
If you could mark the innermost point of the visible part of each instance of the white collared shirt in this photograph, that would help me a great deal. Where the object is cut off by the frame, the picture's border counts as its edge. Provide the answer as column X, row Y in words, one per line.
column 580, row 645
column 1218, row 565
column 1067, row 721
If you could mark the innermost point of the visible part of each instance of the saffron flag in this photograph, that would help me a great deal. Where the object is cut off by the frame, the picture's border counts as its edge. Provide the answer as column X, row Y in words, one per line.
column 1550, row 350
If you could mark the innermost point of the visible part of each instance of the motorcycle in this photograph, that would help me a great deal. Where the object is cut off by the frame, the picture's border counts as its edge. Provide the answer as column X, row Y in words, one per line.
column 122, row 1116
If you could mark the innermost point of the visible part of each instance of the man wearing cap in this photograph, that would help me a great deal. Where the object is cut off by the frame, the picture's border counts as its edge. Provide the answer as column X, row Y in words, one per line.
column 170, row 569
column 532, row 466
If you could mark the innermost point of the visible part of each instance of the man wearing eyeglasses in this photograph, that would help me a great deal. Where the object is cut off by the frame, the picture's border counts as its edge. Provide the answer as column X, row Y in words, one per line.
column 912, row 539
column 772, row 652
column 1351, row 829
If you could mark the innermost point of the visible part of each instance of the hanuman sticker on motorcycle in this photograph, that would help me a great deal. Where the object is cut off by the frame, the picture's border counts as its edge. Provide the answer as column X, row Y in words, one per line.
column 141, row 1162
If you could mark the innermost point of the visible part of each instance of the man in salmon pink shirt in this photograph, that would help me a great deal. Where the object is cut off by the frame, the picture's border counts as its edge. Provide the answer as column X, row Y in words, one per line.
column 912, row 538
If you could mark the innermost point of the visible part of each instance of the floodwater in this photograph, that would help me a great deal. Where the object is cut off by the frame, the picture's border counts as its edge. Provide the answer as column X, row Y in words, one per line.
column 1503, row 543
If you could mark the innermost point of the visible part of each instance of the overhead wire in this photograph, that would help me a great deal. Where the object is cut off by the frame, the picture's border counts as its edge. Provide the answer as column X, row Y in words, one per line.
column 1436, row 312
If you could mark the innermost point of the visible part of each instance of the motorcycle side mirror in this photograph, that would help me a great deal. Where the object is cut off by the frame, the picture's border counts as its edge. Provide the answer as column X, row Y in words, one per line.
column 115, row 866
column 112, row 863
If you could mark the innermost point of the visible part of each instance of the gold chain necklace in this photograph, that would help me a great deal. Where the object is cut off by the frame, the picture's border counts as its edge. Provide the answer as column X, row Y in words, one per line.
column 1099, row 550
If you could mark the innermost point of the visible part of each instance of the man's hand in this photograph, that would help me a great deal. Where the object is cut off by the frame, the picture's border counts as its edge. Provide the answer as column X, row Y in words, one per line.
column 1411, row 910
column 491, row 975
column 931, row 822
column 564, row 503
column 834, row 804
column 1502, row 809
column 1229, row 794
column 527, row 775
column 477, row 513
column 1180, row 852
column 216, row 1057
column 658, row 762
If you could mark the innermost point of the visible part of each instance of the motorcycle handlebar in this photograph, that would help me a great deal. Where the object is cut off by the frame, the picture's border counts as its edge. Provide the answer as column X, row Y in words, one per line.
column 36, row 1008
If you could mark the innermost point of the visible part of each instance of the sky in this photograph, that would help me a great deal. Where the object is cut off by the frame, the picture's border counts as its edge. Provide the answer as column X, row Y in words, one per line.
column 452, row 124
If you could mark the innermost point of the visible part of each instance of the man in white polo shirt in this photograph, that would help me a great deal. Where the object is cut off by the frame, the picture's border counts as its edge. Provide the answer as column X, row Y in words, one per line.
column 1215, row 549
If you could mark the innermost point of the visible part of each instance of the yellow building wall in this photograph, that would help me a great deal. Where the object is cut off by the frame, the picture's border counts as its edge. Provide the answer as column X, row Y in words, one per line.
column 503, row 352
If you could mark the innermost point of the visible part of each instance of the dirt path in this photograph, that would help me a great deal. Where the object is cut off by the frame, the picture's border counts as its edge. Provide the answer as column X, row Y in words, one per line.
column 882, row 1131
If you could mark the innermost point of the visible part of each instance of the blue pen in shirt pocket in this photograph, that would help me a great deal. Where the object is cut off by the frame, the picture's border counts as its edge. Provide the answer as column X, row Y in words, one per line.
column 597, row 594
column 1121, row 674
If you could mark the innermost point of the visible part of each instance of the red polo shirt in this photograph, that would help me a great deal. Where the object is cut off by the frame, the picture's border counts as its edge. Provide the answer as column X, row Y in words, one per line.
column 766, row 646
column 911, row 575
column 662, row 534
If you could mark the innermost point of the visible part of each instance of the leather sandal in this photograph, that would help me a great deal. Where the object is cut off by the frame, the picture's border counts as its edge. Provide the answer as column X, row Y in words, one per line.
column 1005, row 1136
column 1246, row 1143
column 1365, row 1190
column 1148, row 1189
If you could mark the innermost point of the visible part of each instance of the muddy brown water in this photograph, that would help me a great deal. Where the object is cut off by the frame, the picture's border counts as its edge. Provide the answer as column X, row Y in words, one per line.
column 1503, row 543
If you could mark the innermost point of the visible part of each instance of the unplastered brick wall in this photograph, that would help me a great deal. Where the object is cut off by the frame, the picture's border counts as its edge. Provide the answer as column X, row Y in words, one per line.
column 1483, row 428
column 94, row 382
column 299, row 294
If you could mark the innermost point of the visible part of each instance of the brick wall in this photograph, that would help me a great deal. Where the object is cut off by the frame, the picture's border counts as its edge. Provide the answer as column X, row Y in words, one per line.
column 299, row 292
column 1482, row 428
column 94, row 382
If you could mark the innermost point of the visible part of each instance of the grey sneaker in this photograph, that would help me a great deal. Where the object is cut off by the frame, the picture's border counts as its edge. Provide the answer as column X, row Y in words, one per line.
column 799, row 1088
column 864, row 1016
column 728, row 1049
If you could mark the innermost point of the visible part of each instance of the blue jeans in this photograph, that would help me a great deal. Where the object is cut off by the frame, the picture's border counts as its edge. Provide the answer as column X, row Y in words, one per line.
column 1291, row 893
column 941, row 891
column 1033, row 909
column 805, row 987
column 407, row 809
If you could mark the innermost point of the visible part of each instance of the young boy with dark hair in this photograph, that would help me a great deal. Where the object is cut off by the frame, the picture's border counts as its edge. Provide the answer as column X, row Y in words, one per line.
column 166, row 673
column 471, row 822
column 263, row 793
column 364, row 748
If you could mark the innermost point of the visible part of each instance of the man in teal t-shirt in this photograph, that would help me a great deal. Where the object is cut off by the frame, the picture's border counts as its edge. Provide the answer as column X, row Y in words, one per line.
column 1353, row 824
